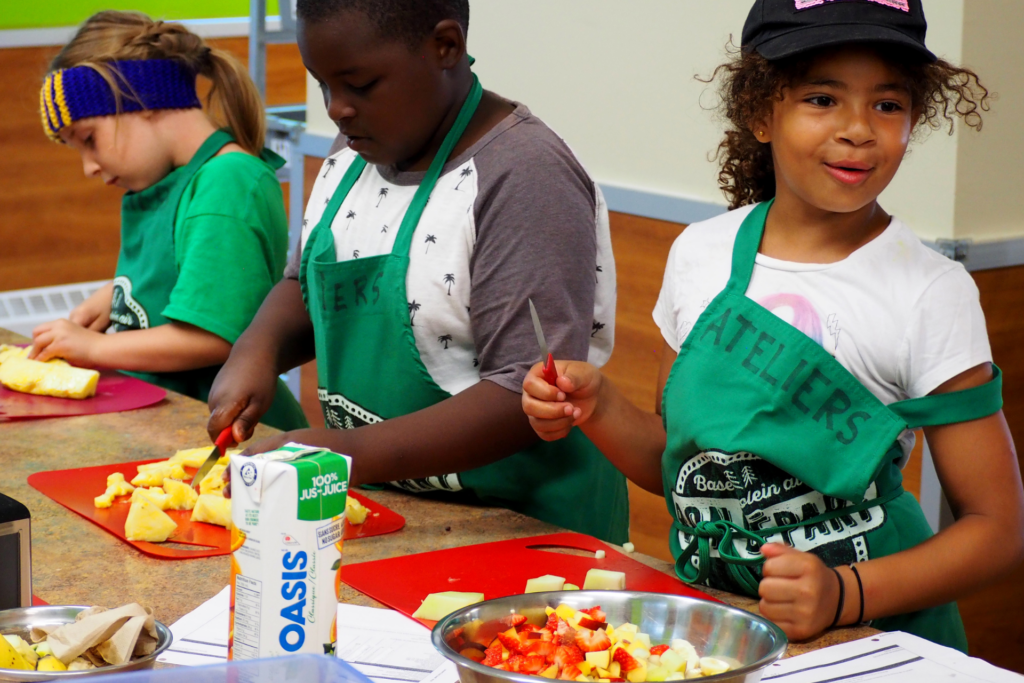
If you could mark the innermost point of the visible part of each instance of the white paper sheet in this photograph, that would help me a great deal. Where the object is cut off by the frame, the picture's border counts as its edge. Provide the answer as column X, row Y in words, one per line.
column 893, row 656
column 201, row 636
column 387, row 647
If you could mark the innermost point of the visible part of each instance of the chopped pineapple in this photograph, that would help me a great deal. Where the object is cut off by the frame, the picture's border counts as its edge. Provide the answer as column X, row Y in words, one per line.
column 212, row 508
column 116, row 486
column 146, row 521
column 155, row 473
column 191, row 457
column 47, row 379
column 437, row 606
column 179, row 496
column 214, row 481
column 355, row 512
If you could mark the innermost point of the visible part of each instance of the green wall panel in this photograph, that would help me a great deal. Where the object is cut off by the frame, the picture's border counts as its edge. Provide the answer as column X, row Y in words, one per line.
column 25, row 14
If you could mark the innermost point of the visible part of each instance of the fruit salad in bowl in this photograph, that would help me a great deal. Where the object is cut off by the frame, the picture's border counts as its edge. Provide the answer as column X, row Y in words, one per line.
column 607, row 637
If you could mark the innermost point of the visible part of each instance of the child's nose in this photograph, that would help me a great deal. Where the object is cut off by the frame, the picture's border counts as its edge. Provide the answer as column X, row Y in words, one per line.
column 90, row 167
column 338, row 109
column 856, row 128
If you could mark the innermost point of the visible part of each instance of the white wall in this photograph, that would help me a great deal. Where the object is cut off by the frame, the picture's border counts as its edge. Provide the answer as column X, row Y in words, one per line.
column 615, row 78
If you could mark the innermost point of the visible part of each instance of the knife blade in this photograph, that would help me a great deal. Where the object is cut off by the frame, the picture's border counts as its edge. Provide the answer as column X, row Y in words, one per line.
column 550, row 373
column 224, row 441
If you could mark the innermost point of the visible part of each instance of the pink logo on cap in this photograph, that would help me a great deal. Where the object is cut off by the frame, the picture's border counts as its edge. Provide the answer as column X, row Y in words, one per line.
column 902, row 5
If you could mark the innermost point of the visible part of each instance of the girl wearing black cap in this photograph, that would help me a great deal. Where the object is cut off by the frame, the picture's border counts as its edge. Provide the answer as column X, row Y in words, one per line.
column 807, row 332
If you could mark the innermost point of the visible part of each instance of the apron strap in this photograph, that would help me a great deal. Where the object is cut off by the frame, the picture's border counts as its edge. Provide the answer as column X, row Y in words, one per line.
column 403, row 241
column 746, row 246
column 722, row 532
column 955, row 406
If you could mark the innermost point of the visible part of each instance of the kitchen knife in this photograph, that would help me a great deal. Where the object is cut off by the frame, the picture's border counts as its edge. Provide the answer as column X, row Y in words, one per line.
column 550, row 373
column 224, row 441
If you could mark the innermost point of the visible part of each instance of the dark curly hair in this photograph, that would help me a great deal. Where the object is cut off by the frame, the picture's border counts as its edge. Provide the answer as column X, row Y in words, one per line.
column 749, row 85
column 406, row 20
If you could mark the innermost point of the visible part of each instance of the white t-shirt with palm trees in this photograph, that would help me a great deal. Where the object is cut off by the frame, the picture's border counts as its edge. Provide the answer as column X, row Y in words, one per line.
column 514, row 217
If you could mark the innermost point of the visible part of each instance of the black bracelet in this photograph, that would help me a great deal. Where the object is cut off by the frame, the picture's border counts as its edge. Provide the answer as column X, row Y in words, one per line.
column 860, row 587
column 842, row 597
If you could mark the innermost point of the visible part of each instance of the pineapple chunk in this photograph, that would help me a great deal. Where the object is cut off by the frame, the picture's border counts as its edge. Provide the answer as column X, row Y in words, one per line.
column 146, row 521
column 155, row 473
column 116, row 486
column 355, row 512
column 543, row 584
column 214, row 481
column 565, row 612
column 637, row 675
column 191, row 457
column 212, row 508
column 600, row 659
column 7, row 352
column 437, row 606
column 602, row 579
column 180, row 496
column 48, row 379
column 550, row 672
column 585, row 668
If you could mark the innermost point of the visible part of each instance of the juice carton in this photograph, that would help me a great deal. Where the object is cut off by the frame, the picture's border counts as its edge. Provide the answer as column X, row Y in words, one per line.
column 287, row 509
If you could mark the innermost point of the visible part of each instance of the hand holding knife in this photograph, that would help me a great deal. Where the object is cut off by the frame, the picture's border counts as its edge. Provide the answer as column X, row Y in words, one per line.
column 550, row 373
column 225, row 440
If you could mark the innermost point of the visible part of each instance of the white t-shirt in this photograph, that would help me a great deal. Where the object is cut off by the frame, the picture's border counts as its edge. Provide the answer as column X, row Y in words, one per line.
column 903, row 319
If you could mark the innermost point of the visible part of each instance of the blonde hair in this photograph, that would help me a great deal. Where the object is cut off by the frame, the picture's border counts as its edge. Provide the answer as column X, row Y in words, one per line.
column 233, row 101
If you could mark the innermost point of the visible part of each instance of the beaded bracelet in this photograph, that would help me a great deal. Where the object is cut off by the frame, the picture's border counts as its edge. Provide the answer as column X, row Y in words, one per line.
column 842, row 597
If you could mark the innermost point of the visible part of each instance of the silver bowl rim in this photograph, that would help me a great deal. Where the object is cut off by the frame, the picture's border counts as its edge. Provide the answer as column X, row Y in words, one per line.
column 164, row 640
column 437, row 634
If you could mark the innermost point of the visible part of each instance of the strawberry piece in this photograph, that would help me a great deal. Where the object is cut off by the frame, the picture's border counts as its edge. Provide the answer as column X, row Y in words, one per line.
column 592, row 624
column 515, row 662
column 503, row 666
column 625, row 660
column 659, row 650
column 544, row 648
column 513, row 620
column 592, row 641
column 617, row 680
column 567, row 655
column 533, row 664
column 552, row 624
column 570, row 673
column 596, row 613
column 566, row 634
column 513, row 645
column 492, row 655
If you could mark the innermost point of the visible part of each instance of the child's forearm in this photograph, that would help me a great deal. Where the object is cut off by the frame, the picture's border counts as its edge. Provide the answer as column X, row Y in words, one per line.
column 631, row 438
column 173, row 347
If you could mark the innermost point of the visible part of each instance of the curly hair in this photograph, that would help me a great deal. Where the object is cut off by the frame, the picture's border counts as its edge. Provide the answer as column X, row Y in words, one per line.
column 749, row 85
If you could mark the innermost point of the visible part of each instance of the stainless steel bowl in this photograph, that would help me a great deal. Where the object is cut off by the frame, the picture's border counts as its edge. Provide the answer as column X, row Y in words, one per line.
column 750, row 642
column 19, row 621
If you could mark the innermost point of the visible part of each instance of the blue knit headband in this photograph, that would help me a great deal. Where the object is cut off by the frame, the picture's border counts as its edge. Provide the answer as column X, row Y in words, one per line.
column 81, row 92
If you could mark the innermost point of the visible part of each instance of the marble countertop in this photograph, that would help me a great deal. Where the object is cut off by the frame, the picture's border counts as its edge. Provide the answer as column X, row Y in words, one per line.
column 75, row 562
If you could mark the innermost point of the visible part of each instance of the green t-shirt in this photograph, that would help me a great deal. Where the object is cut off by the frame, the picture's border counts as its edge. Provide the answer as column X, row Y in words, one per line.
column 230, row 244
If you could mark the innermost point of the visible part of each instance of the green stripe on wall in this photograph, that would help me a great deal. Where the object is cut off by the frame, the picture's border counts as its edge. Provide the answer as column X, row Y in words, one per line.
column 16, row 14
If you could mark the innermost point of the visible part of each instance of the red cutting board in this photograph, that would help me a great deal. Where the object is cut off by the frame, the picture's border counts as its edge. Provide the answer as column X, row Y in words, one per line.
column 115, row 393
column 498, row 570
column 75, row 489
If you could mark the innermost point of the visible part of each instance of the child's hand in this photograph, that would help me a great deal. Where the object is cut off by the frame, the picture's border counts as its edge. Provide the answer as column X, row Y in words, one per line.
column 554, row 411
column 798, row 592
column 241, row 394
column 94, row 312
column 64, row 339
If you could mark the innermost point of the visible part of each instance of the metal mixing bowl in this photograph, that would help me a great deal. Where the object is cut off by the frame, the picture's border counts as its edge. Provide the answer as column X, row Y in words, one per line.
column 18, row 622
column 749, row 642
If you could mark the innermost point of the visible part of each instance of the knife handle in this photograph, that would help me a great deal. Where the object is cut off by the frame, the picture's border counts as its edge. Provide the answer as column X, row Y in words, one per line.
column 225, row 440
column 550, row 372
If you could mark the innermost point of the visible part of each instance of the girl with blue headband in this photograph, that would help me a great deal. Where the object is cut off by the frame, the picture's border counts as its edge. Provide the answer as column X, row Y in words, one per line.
column 807, row 331
column 203, row 227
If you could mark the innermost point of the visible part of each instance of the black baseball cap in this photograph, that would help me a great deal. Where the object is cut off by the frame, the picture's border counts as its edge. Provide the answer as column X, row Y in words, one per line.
column 783, row 28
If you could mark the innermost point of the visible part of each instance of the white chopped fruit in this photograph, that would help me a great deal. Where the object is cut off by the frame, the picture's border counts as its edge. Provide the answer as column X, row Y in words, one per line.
column 599, row 555
column 628, row 547
column 570, row 587
column 437, row 606
column 543, row 584
column 710, row 666
column 602, row 579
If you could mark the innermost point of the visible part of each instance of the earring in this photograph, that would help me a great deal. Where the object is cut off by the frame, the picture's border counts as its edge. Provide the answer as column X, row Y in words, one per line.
column 760, row 133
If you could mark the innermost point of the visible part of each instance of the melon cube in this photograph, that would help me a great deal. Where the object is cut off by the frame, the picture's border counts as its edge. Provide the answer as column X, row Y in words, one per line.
column 543, row 584
column 672, row 661
column 637, row 675
column 437, row 606
column 599, row 659
column 602, row 579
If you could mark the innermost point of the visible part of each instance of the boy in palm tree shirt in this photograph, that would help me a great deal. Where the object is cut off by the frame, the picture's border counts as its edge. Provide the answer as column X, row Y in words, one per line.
column 440, row 211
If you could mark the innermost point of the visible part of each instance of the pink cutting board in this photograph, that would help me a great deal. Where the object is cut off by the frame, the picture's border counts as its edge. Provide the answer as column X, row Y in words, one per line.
column 115, row 393
column 500, row 569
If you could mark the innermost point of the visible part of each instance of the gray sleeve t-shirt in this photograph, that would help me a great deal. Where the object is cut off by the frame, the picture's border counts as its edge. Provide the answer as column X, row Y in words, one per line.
column 515, row 217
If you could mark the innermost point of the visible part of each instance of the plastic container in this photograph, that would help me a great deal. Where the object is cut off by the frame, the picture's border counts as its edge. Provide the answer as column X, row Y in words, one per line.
column 23, row 309
column 298, row 668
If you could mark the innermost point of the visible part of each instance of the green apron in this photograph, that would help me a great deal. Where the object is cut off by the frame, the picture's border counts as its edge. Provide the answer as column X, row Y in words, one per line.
column 370, row 370
column 147, row 272
column 770, row 439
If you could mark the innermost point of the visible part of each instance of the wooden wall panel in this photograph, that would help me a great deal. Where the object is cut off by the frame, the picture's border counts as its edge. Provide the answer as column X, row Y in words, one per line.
column 56, row 225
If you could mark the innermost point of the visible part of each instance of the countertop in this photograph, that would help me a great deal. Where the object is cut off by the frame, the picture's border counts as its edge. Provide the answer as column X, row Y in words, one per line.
column 75, row 562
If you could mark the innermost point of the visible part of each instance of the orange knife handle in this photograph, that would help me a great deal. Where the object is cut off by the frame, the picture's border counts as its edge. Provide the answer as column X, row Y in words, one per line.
column 225, row 440
column 550, row 372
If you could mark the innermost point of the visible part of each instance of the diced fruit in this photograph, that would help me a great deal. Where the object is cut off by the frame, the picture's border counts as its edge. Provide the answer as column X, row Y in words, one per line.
column 566, row 655
column 550, row 672
column 602, row 579
column 514, row 620
column 585, row 667
column 117, row 485
column 599, row 659
column 543, row 584
column 710, row 666
column 658, row 649
column 641, row 653
column 533, row 664
column 355, row 512
column 638, row 674
column 515, row 663
column 43, row 649
column 191, row 457
column 213, row 481
column 212, row 508
column 625, row 660
column 492, row 655
column 180, row 496
column 566, row 634
column 48, row 379
column 511, row 643
column 570, row 587
column 24, row 649
column 565, row 612
column 644, row 640
column 673, row 661
column 10, row 658
column 50, row 663
column 570, row 672
column 614, row 670
column 476, row 654
column 592, row 641
column 592, row 624
column 146, row 521
column 628, row 547
column 437, row 606
column 679, row 676
column 155, row 473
